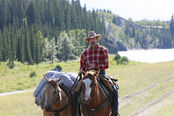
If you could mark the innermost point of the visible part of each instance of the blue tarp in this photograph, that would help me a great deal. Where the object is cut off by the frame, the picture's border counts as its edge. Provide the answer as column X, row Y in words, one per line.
column 67, row 79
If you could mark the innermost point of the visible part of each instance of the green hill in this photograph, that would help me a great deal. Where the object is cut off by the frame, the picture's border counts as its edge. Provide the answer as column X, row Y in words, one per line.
column 142, row 34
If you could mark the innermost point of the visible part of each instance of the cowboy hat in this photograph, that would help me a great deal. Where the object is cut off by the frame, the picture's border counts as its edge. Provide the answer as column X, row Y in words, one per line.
column 92, row 34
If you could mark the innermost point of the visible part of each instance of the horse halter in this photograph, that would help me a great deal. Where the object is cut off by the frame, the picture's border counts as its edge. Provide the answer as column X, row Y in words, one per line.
column 65, row 90
column 57, row 93
column 89, row 80
column 56, row 87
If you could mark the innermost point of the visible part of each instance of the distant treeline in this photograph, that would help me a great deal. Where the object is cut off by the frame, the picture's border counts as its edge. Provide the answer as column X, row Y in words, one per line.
column 33, row 31
column 146, row 34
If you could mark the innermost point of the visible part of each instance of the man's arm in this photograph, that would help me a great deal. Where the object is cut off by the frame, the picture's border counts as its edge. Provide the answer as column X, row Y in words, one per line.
column 104, row 64
column 82, row 62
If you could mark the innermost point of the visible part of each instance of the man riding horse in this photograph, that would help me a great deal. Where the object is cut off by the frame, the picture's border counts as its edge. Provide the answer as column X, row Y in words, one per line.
column 95, row 57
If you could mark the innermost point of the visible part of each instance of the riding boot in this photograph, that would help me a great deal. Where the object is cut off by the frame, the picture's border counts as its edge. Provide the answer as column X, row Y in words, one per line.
column 115, row 104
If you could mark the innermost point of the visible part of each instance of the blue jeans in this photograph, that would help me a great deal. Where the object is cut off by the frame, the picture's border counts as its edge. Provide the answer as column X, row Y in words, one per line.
column 115, row 96
column 102, row 72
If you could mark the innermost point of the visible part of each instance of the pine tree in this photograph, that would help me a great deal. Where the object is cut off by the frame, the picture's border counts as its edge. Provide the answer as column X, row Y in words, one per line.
column 5, row 50
column 30, row 14
column 1, row 46
column 66, row 48
column 114, row 20
column 38, row 47
column 22, row 20
column 1, row 17
column 51, row 50
column 26, row 53
column 172, row 25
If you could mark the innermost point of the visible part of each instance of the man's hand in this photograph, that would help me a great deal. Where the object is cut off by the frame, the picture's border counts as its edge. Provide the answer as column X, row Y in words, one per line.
column 81, row 72
column 91, row 66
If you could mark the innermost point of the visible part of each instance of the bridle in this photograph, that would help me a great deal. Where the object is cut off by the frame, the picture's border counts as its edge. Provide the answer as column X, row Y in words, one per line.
column 57, row 92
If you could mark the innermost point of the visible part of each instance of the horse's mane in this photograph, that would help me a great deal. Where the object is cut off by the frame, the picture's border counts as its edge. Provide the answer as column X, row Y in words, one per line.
column 53, row 81
column 90, row 74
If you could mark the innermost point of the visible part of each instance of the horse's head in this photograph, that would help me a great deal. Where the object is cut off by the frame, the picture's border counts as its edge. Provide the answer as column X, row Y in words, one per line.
column 89, row 85
column 51, row 92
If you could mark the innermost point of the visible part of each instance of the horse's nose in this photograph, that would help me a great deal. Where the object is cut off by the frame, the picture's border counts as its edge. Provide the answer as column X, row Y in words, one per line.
column 86, row 98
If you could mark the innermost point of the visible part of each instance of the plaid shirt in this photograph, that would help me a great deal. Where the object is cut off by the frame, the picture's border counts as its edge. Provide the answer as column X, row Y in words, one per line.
column 97, row 58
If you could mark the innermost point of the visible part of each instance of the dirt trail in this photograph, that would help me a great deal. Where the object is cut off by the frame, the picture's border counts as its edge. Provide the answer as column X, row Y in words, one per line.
column 142, row 110
column 123, row 99
column 14, row 92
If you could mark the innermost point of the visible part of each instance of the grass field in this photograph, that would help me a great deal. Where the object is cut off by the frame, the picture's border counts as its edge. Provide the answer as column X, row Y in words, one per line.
column 19, row 78
column 19, row 105
column 145, row 89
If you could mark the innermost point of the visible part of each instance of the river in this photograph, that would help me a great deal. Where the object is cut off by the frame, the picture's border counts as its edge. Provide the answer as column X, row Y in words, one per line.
column 149, row 56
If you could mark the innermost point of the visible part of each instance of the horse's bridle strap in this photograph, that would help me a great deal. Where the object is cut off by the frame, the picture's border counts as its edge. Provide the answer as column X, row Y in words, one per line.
column 67, row 94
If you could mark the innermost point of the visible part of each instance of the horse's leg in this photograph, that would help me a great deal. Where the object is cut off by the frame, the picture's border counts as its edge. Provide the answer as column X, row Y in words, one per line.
column 45, row 113
column 71, row 110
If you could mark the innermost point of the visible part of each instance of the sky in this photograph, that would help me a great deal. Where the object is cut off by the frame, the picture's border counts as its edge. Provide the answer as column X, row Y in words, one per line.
column 135, row 9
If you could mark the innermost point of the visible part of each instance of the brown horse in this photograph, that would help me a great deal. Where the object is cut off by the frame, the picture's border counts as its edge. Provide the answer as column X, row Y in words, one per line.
column 93, row 101
column 57, row 99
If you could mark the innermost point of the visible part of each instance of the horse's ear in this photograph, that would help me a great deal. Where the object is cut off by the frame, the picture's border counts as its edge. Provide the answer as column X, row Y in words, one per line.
column 46, row 79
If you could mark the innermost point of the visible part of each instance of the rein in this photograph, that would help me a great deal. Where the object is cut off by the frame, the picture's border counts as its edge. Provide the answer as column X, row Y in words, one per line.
column 65, row 90
column 79, row 77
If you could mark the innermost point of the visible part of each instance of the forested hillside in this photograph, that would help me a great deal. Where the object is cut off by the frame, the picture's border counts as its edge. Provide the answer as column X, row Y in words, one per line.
column 32, row 31
column 140, row 34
